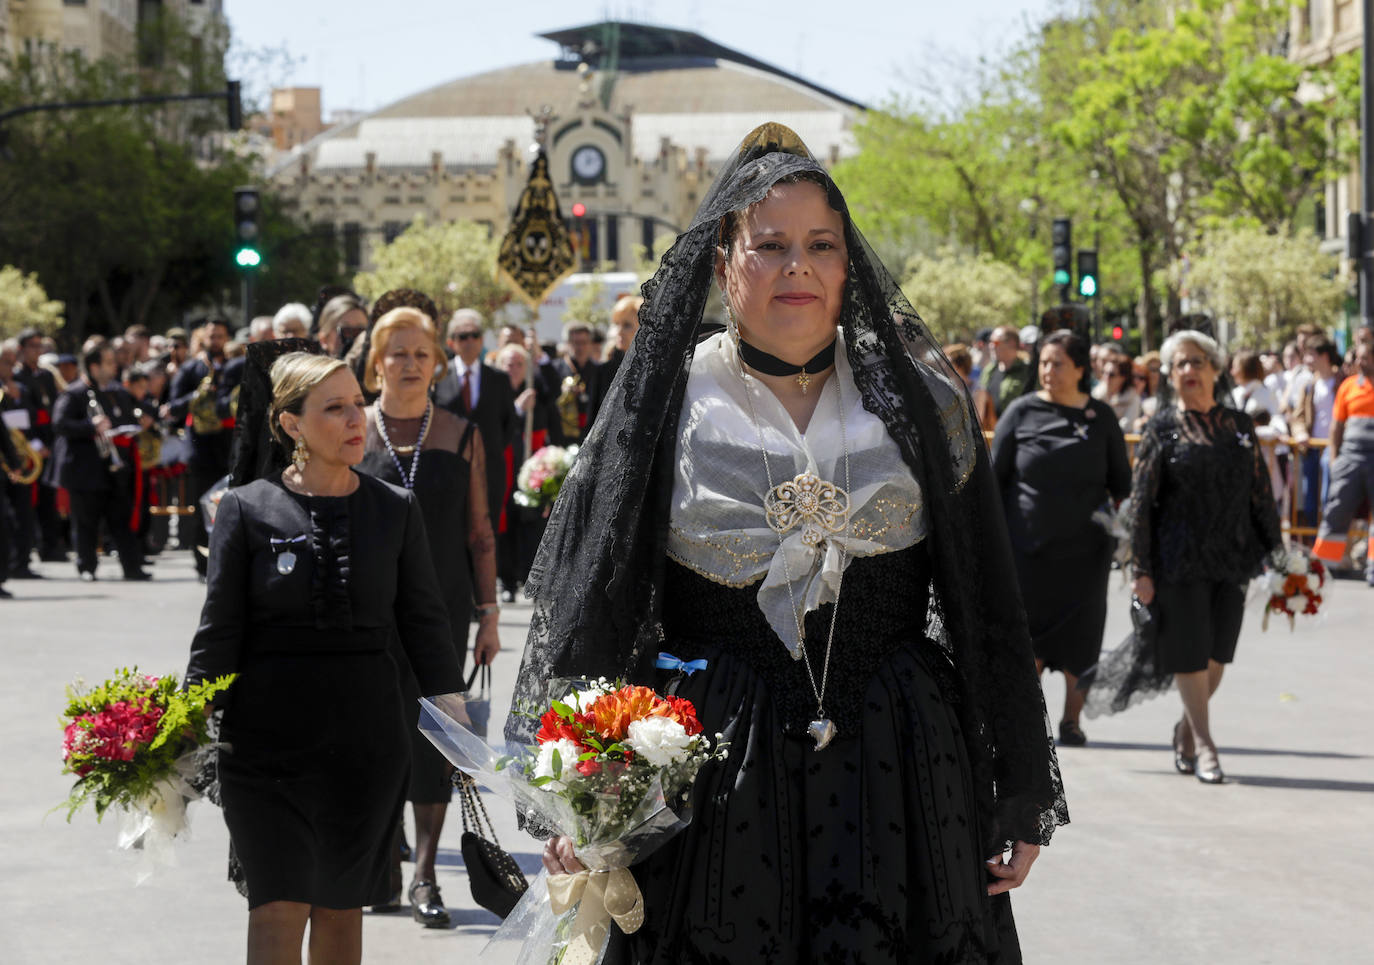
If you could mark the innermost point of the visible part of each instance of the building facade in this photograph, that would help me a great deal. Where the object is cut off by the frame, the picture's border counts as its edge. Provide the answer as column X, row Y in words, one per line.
column 635, row 119
column 97, row 28
column 1321, row 31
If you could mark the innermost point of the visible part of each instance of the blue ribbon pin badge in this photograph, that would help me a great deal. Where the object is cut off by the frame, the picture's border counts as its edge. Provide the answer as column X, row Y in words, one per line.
column 666, row 661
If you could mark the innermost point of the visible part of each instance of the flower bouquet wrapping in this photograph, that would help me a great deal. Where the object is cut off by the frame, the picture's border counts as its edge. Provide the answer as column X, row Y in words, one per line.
column 1116, row 521
column 612, row 768
column 137, row 742
column 542, row 475
column 1294, row 588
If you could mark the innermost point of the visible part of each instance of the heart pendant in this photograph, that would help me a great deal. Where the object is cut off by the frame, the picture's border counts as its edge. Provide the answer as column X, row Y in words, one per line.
column 822, row 732
column 286, row 562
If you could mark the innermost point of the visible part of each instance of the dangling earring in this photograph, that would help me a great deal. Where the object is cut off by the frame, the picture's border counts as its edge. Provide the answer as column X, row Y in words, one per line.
column 300, row 455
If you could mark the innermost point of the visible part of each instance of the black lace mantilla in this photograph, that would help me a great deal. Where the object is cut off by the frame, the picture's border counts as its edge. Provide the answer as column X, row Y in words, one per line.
column 597, row 583
column 1202, row 500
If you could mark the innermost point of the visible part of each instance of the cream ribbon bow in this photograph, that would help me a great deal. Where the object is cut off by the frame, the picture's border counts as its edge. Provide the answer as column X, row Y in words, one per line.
column 600, row 897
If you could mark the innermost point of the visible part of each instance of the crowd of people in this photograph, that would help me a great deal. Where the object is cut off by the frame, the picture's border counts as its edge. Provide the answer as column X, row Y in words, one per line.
column 1212, row 465
column 734, row 484
column 128, row 435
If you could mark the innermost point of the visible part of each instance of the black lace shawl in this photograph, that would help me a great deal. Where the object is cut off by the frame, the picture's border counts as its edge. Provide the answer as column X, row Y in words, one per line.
column 256, row 454
column 597, row 581
column 1203, row 505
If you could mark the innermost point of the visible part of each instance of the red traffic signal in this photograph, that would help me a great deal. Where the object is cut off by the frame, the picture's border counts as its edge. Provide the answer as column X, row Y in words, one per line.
column 1118, row 332
column 579, row 210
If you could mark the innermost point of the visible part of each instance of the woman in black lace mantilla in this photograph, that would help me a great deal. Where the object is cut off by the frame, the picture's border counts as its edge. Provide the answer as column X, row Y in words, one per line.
column 1203, row 521
column 804, row 502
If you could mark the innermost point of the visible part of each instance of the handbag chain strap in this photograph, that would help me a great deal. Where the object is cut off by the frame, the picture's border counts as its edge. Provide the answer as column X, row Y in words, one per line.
column 474, row 811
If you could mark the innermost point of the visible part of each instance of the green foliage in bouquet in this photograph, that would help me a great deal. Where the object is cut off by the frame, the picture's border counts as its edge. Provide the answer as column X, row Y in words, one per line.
column 124, row 736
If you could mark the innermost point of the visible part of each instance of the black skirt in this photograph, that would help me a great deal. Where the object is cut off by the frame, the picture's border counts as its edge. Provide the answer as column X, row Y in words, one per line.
column 866, row 851
column 310, row 814
column 1066, row 604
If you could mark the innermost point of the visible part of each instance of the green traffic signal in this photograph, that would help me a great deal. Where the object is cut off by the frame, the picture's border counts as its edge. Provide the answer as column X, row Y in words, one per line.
column 248, row 258
column 1061, row 276
column 1087, row 286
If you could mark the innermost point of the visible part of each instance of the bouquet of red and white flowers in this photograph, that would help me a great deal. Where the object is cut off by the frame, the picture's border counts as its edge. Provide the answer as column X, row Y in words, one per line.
column 541, row 476
column 1295, row 588
column 612, row 768
column 132, row 741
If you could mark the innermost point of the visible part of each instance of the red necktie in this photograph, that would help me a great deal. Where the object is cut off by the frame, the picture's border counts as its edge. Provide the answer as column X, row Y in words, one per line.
column 467, row 390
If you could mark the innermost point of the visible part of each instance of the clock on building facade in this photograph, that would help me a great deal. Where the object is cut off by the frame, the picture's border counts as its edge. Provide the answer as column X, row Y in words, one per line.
column 588, row 164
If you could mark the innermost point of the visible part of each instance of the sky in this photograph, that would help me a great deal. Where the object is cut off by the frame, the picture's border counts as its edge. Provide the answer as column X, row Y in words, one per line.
column 366, row 54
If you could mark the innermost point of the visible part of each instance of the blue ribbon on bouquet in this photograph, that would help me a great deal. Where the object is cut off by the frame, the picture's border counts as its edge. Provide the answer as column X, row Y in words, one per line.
column 666, row 661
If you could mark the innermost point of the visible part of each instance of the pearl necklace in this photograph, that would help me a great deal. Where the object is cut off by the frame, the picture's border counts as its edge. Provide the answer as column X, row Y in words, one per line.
column 407, row 478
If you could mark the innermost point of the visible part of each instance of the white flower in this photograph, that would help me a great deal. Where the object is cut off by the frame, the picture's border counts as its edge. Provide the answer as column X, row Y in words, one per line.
column 1297, row 563
column 1297, row 603
column 579, row 700
column 1275, row 581
column 567, row 759
column 1314, row 582
column 659, row 740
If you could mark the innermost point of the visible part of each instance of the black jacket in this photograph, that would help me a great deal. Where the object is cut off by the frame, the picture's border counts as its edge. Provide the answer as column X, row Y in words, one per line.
column 79, row 463
column 495, row 418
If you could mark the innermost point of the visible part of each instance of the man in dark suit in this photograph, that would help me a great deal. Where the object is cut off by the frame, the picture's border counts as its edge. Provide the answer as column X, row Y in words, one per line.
column 101, row 487
column 209, row 460
column 483, row 394
column 42, row 389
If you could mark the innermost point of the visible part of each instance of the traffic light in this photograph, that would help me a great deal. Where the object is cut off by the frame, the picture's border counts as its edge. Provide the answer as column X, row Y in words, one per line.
column 233, row 95
column 1118, row 333
column 579, row 230
column 1061, row 239
column 247, row 219
column 1087, row 272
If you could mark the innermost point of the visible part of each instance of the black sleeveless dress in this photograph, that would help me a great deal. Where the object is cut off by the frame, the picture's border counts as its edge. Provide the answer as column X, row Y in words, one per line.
column 441, row 486
column 863, row 852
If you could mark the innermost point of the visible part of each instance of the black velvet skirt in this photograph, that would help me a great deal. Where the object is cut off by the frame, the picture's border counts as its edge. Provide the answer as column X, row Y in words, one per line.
column 866, row 851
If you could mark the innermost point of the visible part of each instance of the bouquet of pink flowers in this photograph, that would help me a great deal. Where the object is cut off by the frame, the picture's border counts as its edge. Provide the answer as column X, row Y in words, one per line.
column 133, row 741
column 542, row 474
column 612, row 767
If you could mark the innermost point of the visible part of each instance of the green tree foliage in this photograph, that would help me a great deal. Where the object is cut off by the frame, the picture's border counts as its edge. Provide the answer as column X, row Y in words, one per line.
column 24, row 304
column 1150, row 124
column 1263, row 284
column 126, row 213
column 453, row 263
column 957, row 294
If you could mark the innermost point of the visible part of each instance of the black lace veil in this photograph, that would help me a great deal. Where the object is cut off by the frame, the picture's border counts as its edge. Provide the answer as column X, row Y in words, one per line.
column 256, row 452
column 597, row 581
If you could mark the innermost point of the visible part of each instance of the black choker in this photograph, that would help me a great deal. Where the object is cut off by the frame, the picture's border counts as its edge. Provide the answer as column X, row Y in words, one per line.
column 759, row 360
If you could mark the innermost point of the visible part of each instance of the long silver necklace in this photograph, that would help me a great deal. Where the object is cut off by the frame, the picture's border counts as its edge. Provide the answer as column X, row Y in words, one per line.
column 407, row 478
column 822, row 510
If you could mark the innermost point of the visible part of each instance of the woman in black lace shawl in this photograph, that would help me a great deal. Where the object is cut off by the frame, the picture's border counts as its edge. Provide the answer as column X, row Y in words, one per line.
column 872, row 848
column 1203, row 521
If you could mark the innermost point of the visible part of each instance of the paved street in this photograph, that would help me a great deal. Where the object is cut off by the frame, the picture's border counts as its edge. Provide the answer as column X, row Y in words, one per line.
column 1272, row 867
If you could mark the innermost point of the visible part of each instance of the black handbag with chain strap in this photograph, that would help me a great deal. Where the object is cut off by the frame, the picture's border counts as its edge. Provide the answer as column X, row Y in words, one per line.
column 496, row 880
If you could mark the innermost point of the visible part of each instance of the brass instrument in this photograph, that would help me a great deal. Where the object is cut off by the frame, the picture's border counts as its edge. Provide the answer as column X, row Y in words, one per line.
column 30, row 462
column 204, row 419
column 104, row 441
column 149, row 442
column 573, row 390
